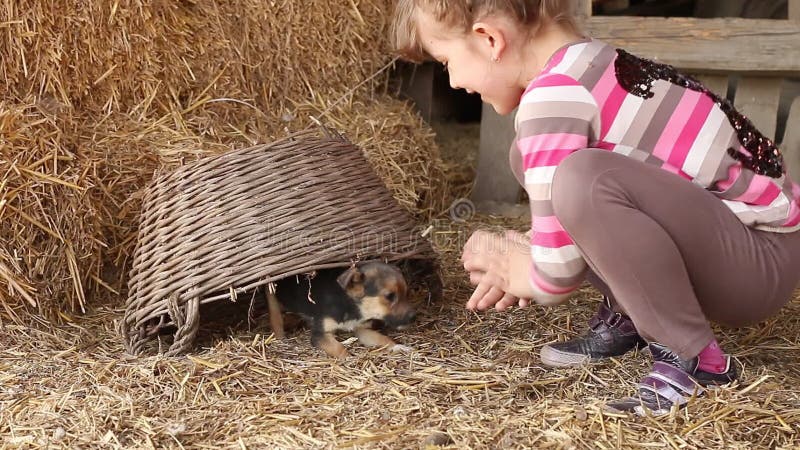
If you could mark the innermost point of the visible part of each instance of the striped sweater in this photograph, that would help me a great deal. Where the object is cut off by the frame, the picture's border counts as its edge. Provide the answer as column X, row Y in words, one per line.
column 578, row 102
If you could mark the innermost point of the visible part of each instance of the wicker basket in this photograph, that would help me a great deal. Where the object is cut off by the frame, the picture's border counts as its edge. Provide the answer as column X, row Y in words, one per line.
column 228, row 224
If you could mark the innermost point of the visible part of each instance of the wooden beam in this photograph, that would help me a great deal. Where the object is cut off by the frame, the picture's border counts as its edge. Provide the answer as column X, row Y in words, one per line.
column 707, row 45
column 494, row 180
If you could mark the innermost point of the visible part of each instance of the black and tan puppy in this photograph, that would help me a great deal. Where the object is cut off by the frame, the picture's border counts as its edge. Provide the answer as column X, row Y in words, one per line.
column 356, row 299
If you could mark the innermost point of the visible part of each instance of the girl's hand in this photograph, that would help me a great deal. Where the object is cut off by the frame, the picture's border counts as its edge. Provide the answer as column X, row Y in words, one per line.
column 499, row 299
column 500, row 266
column 524, row 239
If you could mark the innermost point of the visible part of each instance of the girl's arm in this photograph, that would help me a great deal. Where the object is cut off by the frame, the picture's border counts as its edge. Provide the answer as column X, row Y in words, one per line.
column 557, row 116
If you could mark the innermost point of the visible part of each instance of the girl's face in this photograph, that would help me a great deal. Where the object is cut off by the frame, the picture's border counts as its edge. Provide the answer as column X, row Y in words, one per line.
column 474, row 62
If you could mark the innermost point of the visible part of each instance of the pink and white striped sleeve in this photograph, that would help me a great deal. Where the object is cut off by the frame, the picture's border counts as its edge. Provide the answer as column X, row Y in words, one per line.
column 556, row 117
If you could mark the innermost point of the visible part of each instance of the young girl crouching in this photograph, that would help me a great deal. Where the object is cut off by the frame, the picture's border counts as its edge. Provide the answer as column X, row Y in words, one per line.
column 671, row 203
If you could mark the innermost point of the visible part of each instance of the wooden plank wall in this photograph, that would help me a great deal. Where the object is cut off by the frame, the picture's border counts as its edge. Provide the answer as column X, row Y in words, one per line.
column 753, row 46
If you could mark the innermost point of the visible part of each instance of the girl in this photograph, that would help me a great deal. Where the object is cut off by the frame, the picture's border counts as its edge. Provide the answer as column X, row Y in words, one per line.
column 640, row 180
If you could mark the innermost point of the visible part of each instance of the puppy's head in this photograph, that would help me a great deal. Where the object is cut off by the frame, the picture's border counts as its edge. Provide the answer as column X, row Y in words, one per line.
column 379, row 290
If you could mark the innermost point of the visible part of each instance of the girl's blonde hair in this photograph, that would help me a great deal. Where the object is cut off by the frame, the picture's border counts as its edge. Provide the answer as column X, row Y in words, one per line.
column 461, row 14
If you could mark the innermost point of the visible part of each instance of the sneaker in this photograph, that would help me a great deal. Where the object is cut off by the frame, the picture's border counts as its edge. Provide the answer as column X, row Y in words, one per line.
column 610, row 334
column 671, row 383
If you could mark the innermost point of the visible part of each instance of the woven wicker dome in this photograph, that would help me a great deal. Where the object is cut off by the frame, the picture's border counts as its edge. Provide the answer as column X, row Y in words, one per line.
column 228, row 224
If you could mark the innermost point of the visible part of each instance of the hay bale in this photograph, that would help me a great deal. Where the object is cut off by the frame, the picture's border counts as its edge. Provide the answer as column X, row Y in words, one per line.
column 144, row 56
column 97, row 96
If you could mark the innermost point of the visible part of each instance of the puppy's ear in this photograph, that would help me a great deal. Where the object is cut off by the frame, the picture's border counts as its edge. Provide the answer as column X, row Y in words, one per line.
column 351, row 279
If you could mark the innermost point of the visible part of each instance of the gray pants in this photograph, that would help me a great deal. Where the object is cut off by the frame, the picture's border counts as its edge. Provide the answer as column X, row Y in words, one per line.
column 669, row 253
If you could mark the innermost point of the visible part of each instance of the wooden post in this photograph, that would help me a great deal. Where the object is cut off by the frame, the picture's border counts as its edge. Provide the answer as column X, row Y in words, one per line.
column 758, row 99
column 717, row 84
column 583, row 10
column 417, row 84
column 791, row 139
column 584, row 7
column 790, row 147
column 494, row 181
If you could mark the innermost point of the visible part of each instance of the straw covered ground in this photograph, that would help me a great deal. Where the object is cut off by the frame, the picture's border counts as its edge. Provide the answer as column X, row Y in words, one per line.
column 471, row 381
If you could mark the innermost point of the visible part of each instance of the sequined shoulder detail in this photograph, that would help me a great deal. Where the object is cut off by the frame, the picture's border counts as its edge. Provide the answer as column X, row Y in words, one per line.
column 637, row 75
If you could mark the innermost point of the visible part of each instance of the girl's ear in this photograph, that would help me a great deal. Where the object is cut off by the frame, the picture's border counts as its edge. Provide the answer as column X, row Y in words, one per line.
column 492, row 37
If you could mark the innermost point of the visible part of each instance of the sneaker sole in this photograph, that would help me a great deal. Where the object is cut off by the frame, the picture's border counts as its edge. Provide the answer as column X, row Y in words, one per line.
column 554, row 358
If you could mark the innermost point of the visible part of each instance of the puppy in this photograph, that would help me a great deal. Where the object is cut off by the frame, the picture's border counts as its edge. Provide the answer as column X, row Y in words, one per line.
column 357, row 299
